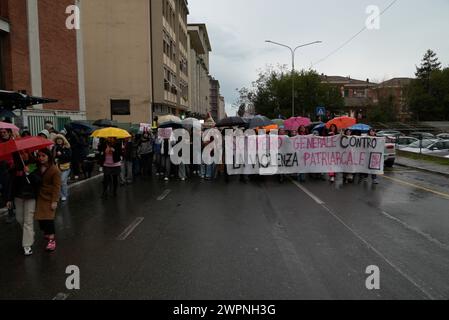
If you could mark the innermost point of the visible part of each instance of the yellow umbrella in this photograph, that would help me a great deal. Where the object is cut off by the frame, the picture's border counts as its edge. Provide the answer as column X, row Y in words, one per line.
column 111, row 133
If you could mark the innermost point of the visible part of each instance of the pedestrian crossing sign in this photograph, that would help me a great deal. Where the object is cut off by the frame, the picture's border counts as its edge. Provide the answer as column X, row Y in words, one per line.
column 320, row 111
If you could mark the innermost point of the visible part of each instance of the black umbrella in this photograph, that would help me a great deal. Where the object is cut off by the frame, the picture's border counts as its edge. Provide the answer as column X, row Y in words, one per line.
column 15, row 100
column 232, row 122
column 259, row 121
column 171, row 124
column 105, row 123
column 5, row 113
column 81, row 125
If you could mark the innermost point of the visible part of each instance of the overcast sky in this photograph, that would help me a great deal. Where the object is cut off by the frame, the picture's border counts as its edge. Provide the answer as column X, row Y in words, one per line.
column 238, row 30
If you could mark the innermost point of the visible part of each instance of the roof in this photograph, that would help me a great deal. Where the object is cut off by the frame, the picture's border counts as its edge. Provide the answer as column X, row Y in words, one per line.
column 396, row 82
column 197, row 27
column 346, row 81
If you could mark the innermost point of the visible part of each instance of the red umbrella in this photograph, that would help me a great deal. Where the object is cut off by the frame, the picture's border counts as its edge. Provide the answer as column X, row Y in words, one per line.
column 29, row 144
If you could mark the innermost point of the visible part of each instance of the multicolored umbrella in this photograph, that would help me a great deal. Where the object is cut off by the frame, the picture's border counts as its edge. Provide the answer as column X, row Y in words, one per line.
column 259, row 121
column 279, row 122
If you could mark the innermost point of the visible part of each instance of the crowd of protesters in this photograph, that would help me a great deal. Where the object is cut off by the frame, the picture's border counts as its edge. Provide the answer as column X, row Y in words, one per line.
column 33, row 184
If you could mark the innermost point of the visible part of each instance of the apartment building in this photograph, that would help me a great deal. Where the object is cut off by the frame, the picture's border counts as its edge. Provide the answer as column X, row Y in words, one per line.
column 397, row 89
column 214, row 98
column 221, row 108
column 199, row 79
column 117, row 58
column 358, row 94
column 41, row 57
column 169, row 56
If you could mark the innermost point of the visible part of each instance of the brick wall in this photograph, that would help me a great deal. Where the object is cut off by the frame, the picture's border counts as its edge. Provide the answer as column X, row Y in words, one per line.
column 58, row 55
column 15, row 47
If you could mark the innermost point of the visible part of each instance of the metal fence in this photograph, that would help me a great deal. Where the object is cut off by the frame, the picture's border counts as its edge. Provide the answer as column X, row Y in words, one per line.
column 37, row 123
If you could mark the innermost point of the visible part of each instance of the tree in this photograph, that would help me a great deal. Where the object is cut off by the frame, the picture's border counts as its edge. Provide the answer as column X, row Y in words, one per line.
column 429, row 64
column 428, row 95
column 384, row 111
column 272, row 93
column 242, row 110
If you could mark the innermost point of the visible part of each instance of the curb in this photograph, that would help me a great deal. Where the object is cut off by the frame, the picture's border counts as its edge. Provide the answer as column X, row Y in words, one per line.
column 422, row 169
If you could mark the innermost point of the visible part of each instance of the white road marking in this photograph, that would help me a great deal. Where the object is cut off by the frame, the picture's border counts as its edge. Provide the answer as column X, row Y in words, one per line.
column 358, row 236
column 163, row 195
column 125, row 234
column 61, row 296
column 310, row 194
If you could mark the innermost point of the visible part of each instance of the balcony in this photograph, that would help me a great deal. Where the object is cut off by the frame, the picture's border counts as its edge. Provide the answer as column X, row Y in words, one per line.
column 168, row 96
column 168, row 28
column 169, row 63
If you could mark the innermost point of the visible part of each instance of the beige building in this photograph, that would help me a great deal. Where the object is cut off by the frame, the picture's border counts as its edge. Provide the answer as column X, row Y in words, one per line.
column 169, row 54
column 199, row 79
column 221, row 108
column 117, row 59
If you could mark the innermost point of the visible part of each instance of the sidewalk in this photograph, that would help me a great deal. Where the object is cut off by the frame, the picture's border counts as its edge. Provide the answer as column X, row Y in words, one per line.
column 423, row 165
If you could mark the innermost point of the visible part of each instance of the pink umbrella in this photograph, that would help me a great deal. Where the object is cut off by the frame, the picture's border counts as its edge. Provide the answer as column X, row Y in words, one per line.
column 292, row 124
column 5, row 125
column 304, row 121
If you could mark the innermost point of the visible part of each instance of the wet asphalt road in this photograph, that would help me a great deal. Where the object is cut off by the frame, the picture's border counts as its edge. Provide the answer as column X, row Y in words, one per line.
column 261, row 240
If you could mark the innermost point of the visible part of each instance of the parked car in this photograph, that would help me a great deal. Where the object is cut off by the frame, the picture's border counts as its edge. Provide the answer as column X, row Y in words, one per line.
column 390, row 155
column 389, row 133
column 444, row 136
column 435, row 147
column 422, row 135
column 404, row 142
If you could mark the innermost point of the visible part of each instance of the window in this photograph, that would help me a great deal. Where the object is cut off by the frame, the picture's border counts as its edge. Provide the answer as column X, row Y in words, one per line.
column 359, row 93
column 120, row 108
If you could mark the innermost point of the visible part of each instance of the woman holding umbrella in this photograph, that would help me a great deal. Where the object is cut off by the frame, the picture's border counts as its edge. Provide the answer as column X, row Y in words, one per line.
column 48, row 196
column 111, row 161
column 22, row 195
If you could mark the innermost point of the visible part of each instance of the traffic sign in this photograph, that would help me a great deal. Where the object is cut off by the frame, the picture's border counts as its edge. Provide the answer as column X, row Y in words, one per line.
column 320, row 111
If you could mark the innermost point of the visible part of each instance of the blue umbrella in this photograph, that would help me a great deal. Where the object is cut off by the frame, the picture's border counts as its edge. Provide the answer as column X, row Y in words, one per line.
column 360, row 127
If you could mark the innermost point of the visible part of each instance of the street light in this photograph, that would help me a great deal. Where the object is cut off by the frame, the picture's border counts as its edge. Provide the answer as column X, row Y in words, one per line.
column 293, row 51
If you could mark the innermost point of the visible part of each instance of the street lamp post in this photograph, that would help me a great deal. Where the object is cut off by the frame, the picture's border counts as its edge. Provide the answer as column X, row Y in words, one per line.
column 293, row 51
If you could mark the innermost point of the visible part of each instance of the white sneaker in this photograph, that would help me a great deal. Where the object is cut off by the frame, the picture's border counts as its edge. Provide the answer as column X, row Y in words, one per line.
column 27, row 251
column 165, row 179
column 183, row 179
column 63, row 199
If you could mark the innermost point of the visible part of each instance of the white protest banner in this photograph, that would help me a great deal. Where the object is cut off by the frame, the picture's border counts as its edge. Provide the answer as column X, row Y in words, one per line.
column 165, row 133
column 144, row 127
column 308, row 154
